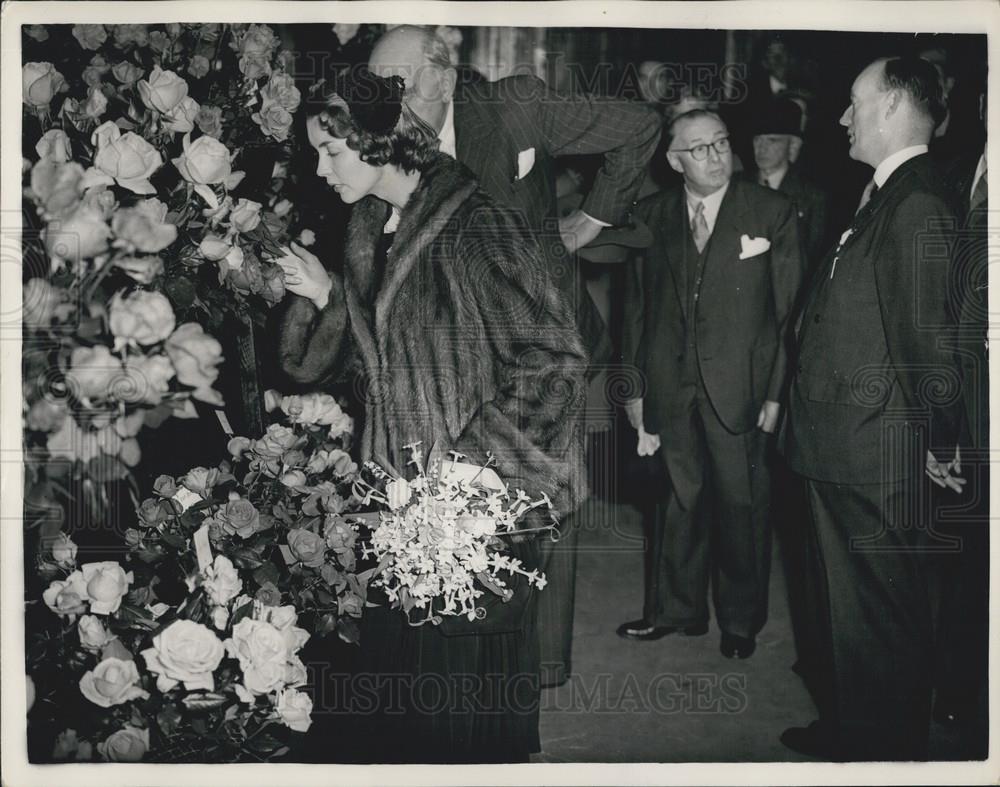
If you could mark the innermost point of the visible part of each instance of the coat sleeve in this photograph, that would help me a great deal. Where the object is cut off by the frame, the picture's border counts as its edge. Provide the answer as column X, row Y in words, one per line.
column 625, row 132
column 787, row 268
column 917, row 318
column 314, row 345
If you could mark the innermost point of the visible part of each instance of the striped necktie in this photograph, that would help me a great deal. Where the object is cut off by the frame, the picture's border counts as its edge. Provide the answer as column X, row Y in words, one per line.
column 699, row 227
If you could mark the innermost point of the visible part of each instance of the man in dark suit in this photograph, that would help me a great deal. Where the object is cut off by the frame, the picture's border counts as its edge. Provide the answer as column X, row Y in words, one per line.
column 874, row 405
column 707, row 310
column 508, row 132
column 777, row 143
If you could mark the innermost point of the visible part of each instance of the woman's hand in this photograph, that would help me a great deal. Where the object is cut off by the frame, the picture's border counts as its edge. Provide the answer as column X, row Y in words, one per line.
column 305, row 275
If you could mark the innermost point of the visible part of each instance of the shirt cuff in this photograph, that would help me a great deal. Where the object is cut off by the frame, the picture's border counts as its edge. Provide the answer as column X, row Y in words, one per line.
column 596, row 221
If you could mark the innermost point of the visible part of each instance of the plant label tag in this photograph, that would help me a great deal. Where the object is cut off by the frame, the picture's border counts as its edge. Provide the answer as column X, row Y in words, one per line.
column 224, row 422
column 202, row 548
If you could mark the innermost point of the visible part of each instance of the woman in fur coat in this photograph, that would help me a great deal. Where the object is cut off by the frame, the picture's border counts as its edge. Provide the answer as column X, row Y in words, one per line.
column 463, row 343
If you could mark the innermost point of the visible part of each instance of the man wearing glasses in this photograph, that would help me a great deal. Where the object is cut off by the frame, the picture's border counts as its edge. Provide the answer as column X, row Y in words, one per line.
column 707, row 306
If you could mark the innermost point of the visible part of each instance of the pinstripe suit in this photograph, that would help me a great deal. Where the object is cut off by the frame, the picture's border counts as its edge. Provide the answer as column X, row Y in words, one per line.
column 494, row 123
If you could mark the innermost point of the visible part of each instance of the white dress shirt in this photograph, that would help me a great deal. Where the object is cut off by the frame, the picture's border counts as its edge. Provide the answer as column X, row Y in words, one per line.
column 891, row 163
column 712, row 204
column 774, row 179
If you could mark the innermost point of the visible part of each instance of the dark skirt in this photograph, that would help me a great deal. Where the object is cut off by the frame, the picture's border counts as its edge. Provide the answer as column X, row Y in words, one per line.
column 460, row 692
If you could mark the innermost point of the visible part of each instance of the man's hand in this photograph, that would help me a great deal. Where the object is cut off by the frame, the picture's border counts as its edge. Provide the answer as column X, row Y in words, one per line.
column 649, row 444
column 946, row 475
column 767, row 419
column 577, row 229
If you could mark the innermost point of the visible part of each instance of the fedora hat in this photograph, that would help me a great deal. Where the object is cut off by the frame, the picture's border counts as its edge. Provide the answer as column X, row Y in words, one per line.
column 780, row 116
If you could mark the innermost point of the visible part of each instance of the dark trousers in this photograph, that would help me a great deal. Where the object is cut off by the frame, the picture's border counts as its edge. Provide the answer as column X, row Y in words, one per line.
column 555, row 602
column 714, row 524
column 870, row 569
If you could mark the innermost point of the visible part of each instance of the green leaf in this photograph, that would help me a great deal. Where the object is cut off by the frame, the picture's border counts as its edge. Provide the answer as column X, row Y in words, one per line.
column 181, row 291
column 263, row 744
column 266, row 573
column 168, row 719
column 204, row 701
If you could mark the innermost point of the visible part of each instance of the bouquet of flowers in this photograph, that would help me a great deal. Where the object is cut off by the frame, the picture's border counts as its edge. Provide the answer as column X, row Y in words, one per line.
column 189, row 649
column 440, row 540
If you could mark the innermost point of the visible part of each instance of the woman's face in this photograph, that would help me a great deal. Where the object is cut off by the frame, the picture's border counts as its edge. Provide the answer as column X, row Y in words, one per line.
column 341, row 166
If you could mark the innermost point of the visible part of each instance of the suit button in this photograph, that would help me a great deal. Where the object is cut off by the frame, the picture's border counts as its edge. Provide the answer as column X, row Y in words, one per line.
column 816, row 318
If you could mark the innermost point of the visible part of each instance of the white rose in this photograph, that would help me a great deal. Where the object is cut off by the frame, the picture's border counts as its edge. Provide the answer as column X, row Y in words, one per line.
column 163, row 91
column 255, row 642
column 245, row 215
column 129, row 744
column 222, row 582
column 112, row 682
column 93, row 634
column 185, row 652
column 107, row 583
column 265, row 677
column 141, row 318
column 39, row 84
column 67, row 597
column 220, row 617
column 307, row 238
column 181, row 118
column 96, row 104
column 127, row 159
column 55, row 145
column 282, row 617
column 63, row 551
column 204, row 161
column 295, row 673
column 294, row 709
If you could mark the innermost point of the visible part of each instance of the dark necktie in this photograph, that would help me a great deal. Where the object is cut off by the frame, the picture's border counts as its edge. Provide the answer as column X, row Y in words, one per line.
column 699, row 227
column 870, row 190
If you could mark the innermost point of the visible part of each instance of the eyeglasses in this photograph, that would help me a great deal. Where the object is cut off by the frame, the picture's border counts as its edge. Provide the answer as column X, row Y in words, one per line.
column 700, row 152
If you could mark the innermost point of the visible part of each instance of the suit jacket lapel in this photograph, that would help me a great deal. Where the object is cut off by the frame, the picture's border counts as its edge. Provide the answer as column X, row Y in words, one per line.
column 473, row 127
column 675, row 221
column 725, row 241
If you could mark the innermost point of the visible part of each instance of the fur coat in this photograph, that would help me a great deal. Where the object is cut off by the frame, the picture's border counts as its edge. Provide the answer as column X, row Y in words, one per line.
column 460, row 341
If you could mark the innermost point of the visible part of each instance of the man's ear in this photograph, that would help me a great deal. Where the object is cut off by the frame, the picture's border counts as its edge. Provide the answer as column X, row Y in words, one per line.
column 449, row 78
column 893, row 99
column 794, row 148
column 675, row 162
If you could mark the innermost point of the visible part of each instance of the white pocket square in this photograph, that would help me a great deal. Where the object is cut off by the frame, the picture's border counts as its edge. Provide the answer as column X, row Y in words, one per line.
column 525, row 161
column 751, row 247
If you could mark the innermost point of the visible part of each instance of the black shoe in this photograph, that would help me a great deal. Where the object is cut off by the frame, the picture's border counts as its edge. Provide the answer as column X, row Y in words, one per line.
column 643, row 631
column 812, row 741
column 734, row 647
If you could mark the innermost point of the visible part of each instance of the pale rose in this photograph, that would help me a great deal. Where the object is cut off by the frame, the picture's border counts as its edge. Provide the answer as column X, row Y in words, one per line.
column 65, row 745
column 130, row 452
column 39, row 83
column 222, row 582
column 126, row 72
column 186, row 652
column 240, row 517
column 214, row 247
column 37, row 33
column 142, row 318
column 294, row 709
column 237, row 445
column 93, row 634
column 90, row 36
column 159, row 41
column 147, row 379
column 80, row 235
column 130, row 161
column 264, row 677
column 76, row 444
column 63, row 551
column 282, row 207
column 96, row 104
column 181, row 119
column 255, row 642
column 142, row 270
column 54, row 145
column 295, row 673
column 307, row 547
column 112, row 682
column 94, row 72
column 204, row 161
column 209, row 31
column 130, row 424
column 245, row 215
column 314, row 408
column 105, row 134
column 129, row 744
column 46, row 415
column 92, row 371
column 196, row 356
column 274, row 121
column 272, row 399
column 307, row 237
column 275, row 441
column 199, row 66
column 345, row 32
column 209, row 120
column 39, row 302
column 294, row 479
column 282, row 617
column 107, row 583
column 101, row 199
column 200, row 480
column 67, row 597
column 280, row 89
column 398, row 493
column 144, row 227
column 127, row 36
column 57, row 186
column 255, row 40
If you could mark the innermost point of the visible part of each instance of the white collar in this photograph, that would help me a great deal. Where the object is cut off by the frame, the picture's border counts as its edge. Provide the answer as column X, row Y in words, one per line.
column 447, row 133
column 712, row 204
column 775, row 178
column 891, row 163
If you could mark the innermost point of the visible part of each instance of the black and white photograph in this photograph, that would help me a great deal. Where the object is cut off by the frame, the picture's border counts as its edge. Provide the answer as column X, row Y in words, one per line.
column 523, row 390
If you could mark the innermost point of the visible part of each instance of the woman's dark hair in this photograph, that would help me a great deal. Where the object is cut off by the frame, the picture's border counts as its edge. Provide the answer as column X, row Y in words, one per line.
column 369, row 112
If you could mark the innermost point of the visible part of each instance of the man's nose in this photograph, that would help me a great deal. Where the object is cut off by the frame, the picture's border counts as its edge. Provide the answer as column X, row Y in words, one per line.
column 845, row 119
column 713, row 154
